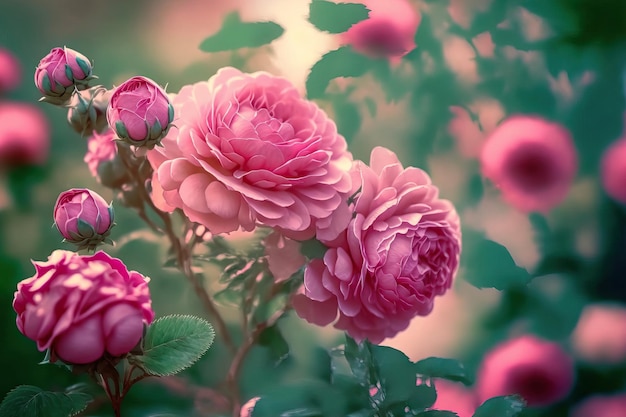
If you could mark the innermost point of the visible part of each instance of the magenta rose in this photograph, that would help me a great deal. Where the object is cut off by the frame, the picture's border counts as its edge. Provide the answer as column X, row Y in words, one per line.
column 10, row 71
column 60, row 71
column 83, row 217
column 24, row 135
column 103, row 161
column 539, row 371
column 613, row 170
column 250, row 150
column 140, row 112
column 83, row 307
column 400, row 250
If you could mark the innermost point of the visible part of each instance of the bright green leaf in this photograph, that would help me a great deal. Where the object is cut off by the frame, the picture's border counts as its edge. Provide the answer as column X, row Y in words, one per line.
column 173, row 343
column 506, row 406
column 336, row 17
column 395, row 373
column 444, row 368
column 342, row 62
column 31, row 401
column 235, row 34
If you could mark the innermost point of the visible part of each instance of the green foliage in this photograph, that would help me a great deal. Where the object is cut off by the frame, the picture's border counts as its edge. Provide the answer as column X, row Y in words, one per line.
column 342, row 62
column 273, row 340
column 506, row 406
column 31, row 401
column 395, row 374
column 336, row 17
column 173, row 343
column 235, row 34
column 347, row 117
column 450, row 369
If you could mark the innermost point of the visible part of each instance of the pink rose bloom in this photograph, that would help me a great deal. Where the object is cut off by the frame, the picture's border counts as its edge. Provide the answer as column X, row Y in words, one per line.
column 24, row 135
column 140, row 111
column 249, row 150
column 83, row 307
column 103, row 161
column 532, row 161
column 283, row 256
column 538, row 370
column 600, row 335
column 389, row 31
column 455, row 397
column 400, row 250
column 61, row 70
column 10, row 71
column 613, row 170
column 603, row 405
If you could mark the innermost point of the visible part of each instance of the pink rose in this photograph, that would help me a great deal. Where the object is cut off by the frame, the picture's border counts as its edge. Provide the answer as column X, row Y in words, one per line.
column 24, row 135
column 613, row 170
column 59, row 71
column 538, row 370
column 532, row 161
column 455, row 397
column 83, row 217
column 140, row 112
column 600, row 335
column 389, row 31
column 601, row 405
column 83, row 307
column 10, row 71
column 249, row 150
column 103, row 160
column 283, row 256
column 400, row 250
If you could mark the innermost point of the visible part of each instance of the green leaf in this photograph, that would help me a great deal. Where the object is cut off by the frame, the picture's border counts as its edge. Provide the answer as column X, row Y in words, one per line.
column 422, row 397
column 336, row 17
column 235, row 34
column 395, row 373
column 31, row 401
column 437, row 413
column 348, row 118
column 173, row 343
column 273, row 340
column 505, row 406
column 342, row 62
column 444, row 368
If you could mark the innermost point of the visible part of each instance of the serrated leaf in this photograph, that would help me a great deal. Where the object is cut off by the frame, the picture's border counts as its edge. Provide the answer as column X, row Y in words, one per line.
column 505, row 406
column 342, row 62
column 173, row 343
column 336, row 17
column 444, row 368
column 32, row 401
column 235, row 34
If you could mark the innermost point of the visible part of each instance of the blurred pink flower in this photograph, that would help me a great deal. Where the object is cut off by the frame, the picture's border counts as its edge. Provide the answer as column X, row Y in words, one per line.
column 400, row 250
column 24, row 135
column 601, row 405
column 103, row 160
column 81, row 307
column 532, row 161
column 455, row 397
column 249, row 150
column 538, row 370
column 613, row 170
column 388, row 32
column 10, row 71
column 283, row 256
column 600, row 335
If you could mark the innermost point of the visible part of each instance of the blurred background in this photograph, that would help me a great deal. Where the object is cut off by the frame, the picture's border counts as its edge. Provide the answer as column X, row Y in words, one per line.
column 486, row 69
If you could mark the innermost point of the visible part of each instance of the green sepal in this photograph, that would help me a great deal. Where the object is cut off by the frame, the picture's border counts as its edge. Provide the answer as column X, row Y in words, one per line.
column 170, row 112
column 85, row 229
column 121, row 131
column 85, row 67
column 156, row 131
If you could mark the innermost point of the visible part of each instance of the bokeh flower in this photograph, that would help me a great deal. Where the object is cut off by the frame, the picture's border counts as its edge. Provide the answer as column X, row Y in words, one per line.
column 59, row 72
column 600, row 335
column 539, row 371
column 10, row 71
column 250, row 150
column 83, row 307
column 532, row 161
column 400, row 250
column 613, row 170
column 455, row 397
column 601, row 405
column 103, row 160
column 24, row 135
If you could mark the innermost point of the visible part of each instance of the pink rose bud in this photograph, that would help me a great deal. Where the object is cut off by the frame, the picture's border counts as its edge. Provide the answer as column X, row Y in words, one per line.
column 538, row 370
column 24, row 135
column 87, row 110
column 140, row 112
column 103, row 160
column 10, row 71
column 613, row 170
column 83, row 217
column 82, row 307
column 59, row 72
column 601, row 405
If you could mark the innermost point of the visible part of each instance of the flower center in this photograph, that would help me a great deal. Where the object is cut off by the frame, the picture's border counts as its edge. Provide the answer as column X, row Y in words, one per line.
column 532, row 168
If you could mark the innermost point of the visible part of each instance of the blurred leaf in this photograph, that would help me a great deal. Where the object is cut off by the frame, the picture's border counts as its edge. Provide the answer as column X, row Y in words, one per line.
column 395, row 373
column 359, row 358
column 449, row 369
column 437, row 413
column 371, row 105
column 273, row 340
column 347, row 117
column 506, row 406
column 301, row 398
column 31, row 401
column 422, row 397
column 173, row 343
column 336, row 17
column 235, row 34
column 313, row 249
column 342, row 62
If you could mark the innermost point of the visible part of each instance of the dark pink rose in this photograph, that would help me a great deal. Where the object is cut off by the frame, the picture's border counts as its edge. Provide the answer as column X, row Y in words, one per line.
column 538, row 370
column 400, row 250
column 601, row 405
column 61, row 70
column 532, row 161
column 103, row 160
column 24, row 135
column 140, row 111
column 248, row 150
column 10, row 71
column 613, row 170
column 389, row 31
column 600, row 335
column 83, row 307
column 83, row 217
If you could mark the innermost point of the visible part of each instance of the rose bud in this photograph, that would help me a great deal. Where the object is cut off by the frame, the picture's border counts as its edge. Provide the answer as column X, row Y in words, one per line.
column 10, row 71
column 613, row 170
column 140, row 112
column 82, row 308
column 83, row 217
column 60, row 72
column 87, row 110
column 539, row 371
column 24, row 135
column 103, row 160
